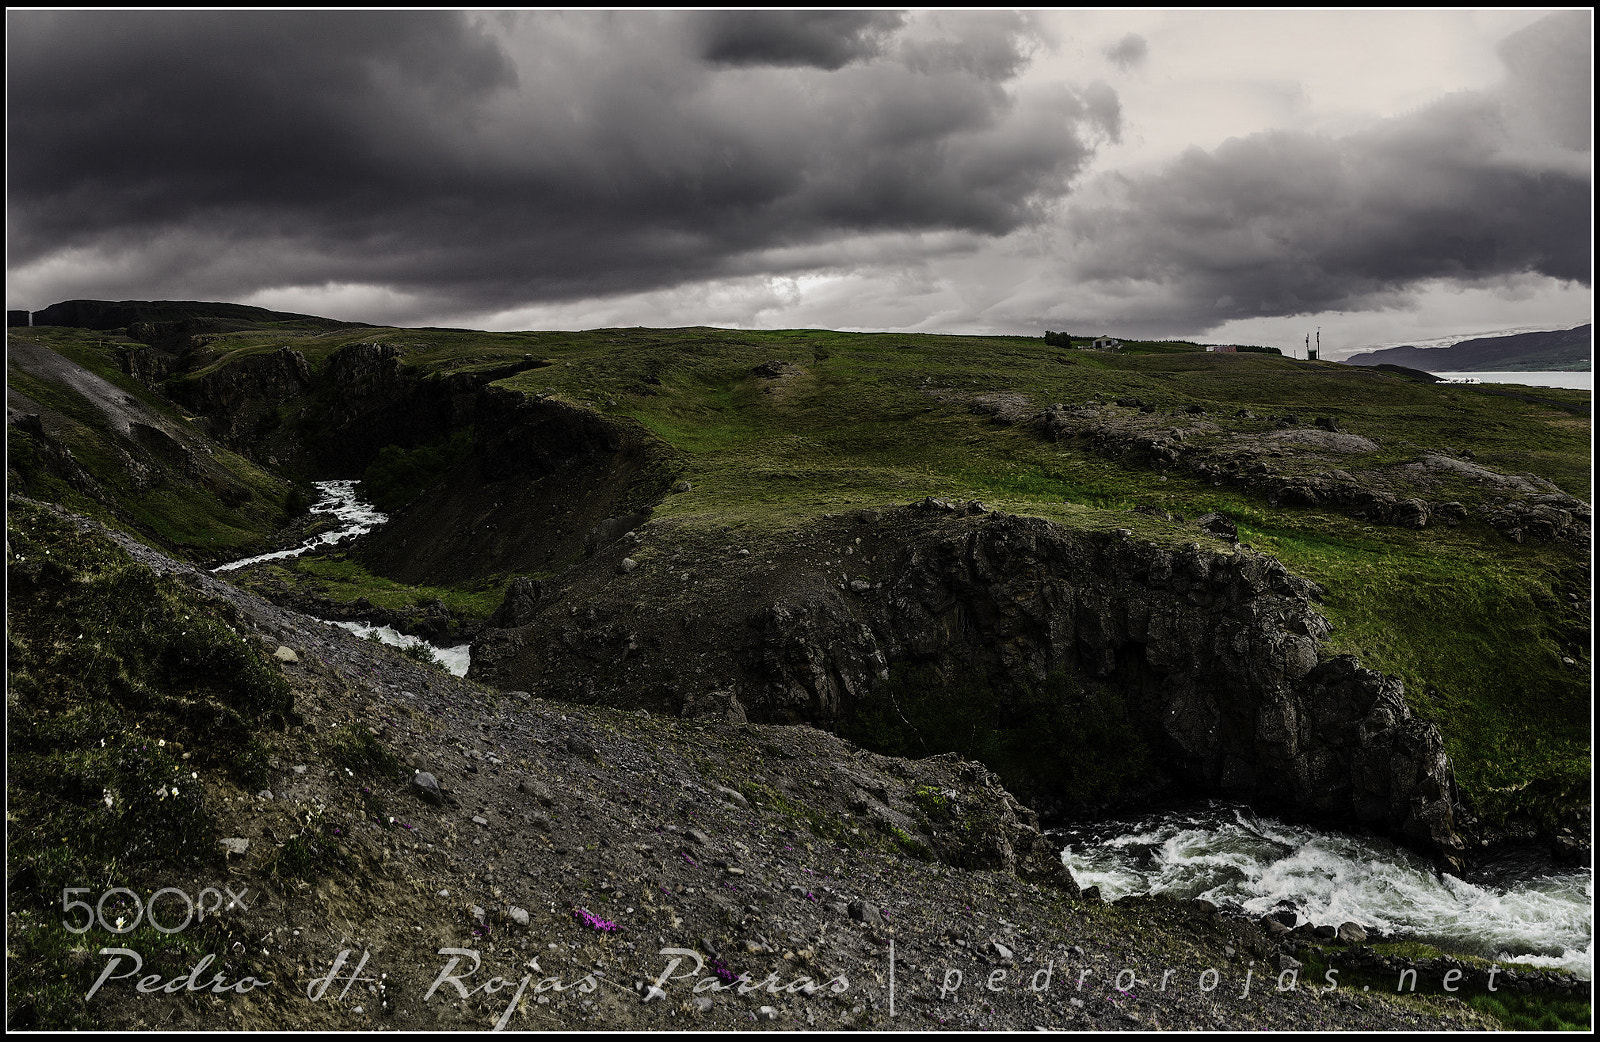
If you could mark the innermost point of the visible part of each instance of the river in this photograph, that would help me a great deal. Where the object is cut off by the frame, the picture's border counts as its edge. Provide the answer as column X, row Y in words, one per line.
column 355, row 517
column 1226, row 854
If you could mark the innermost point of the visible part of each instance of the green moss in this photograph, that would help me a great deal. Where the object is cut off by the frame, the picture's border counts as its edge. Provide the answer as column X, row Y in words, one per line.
column 339, row 578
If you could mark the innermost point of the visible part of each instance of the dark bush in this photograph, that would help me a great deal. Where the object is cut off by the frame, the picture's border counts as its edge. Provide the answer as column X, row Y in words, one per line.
column 399, row 475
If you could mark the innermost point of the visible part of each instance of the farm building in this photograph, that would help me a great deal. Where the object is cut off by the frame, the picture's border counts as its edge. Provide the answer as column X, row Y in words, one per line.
column 1106, row 343
column 1222, row 349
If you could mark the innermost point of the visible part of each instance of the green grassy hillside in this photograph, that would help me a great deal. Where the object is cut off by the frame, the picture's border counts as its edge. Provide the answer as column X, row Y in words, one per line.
column 774, row 428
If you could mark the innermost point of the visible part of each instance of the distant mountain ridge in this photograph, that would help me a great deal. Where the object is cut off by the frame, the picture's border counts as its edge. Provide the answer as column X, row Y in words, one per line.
column 107, row 314
column 1556, row 349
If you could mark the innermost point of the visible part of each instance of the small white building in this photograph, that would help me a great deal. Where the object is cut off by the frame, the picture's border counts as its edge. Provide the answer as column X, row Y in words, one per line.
column 1106, row 343
column 1222, row 349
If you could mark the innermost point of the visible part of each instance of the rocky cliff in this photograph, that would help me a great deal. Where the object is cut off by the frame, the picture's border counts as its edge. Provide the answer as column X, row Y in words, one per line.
column 236, row 398
column 1214, row 651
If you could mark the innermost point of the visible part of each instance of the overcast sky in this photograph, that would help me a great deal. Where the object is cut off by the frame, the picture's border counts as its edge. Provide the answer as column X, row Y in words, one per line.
column 1390, row 176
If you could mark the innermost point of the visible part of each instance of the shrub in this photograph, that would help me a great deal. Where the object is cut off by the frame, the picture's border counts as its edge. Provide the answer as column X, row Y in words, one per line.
column 400, row 475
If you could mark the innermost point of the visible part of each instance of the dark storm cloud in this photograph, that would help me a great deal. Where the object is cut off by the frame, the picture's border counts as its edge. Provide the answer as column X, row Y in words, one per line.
column 503, row 161
column 825, row 39
column 1286, row 223
column 1128, row 52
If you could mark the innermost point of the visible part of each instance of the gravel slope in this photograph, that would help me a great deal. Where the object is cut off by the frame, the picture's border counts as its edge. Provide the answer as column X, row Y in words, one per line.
column 770, row 853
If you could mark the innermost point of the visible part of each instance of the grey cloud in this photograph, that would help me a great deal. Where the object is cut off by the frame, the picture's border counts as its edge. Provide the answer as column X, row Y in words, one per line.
column 1286, row 223
column 991, row 45
column 512, row 160
column 1551, row 79
column 1128, row 52
column 824, row 39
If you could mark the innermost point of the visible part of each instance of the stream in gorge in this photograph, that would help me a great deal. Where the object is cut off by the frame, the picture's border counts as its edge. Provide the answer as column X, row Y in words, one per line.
column 355, row 517
column 1526, row 911
column 1513, row 908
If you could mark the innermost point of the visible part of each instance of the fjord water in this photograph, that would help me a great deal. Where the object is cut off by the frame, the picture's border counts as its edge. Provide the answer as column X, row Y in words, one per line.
column 1571, row 381
column 355, row 517
column 1224, row 853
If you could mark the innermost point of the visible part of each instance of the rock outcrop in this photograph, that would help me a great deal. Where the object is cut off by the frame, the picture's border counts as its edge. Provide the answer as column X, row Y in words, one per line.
column 236, row 397
column 1215, row 653
column 1427, row 491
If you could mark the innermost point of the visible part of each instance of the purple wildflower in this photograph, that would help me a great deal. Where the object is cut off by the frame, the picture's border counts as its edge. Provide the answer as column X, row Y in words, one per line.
column 594, row 922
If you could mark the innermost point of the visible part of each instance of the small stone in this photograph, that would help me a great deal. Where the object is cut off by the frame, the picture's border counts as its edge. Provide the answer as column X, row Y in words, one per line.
column 427, row 786
column 479, row 820
column 862, row 912
column 733, row 794
column 1002, row 951
column 628, row 564
column 702, row 1004
column 285, row 654
column 682, row 486
column 1352, row 933
column 518, row 915
column 299, row 769
column 235, row 845
column 767, row 1013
